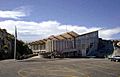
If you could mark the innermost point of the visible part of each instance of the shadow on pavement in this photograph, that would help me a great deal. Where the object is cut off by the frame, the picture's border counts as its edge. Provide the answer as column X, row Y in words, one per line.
column 38, row 60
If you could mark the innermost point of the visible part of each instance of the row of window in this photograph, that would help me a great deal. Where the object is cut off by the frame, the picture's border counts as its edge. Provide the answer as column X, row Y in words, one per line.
column 38, row 47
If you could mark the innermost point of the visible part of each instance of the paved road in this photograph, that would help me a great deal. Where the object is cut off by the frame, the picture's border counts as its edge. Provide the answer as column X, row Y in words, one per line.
column 60, row 68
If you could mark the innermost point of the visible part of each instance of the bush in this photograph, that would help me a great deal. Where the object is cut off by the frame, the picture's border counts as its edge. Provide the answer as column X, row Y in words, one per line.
column 26, row 56
column 22, row 49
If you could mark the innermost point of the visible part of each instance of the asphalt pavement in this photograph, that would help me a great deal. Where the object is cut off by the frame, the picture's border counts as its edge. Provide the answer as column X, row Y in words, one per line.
column 40, row 67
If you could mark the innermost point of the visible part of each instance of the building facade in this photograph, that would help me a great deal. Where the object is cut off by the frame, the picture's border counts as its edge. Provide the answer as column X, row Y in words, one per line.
column 69, row 43
column 87, row 43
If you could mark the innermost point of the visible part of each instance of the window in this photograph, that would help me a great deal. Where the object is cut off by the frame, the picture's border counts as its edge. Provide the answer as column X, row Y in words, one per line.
column 83, row 46
column 91, row 45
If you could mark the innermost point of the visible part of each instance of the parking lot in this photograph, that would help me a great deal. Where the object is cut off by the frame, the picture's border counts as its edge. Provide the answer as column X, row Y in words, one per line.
column 39, row 67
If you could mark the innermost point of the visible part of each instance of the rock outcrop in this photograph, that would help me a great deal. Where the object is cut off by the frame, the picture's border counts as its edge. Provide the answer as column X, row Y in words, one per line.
column 116, row 44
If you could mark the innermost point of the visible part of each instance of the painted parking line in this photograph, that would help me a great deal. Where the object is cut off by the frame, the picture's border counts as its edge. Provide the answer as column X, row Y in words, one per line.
column 78, row 72
column 99, row 70
column 22, row 73
column 101, row 66
column 64, row 72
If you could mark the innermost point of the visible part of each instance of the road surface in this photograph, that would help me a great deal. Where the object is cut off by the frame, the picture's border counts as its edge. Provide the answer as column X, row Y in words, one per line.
column 39, row 67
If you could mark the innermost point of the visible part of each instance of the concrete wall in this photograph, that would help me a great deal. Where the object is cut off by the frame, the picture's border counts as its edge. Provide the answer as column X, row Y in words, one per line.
column 59, row 45
column 87, row 43
column 38, row 48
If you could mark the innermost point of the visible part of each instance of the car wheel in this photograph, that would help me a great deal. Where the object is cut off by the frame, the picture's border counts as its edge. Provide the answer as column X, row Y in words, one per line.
column 118, row 60
column 114, row 60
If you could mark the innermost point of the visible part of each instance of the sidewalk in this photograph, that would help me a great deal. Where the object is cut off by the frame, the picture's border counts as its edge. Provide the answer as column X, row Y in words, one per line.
column 35, row 57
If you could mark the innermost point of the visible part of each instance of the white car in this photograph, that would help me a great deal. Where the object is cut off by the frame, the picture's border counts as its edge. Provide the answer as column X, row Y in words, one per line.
column 115, row 58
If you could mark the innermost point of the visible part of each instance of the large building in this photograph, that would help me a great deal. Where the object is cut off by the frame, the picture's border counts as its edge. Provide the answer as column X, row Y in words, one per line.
column 69, row 43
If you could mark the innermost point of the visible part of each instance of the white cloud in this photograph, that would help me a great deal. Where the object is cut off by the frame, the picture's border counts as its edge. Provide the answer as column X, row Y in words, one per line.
column 17, row 13
column 29, row 31
column 108, row 33
column 11, row 14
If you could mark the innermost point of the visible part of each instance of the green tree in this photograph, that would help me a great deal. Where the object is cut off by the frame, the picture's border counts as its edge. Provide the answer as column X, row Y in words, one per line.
column 22, row 49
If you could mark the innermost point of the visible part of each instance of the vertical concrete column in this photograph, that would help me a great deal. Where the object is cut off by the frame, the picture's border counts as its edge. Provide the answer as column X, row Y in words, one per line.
column 83, row 52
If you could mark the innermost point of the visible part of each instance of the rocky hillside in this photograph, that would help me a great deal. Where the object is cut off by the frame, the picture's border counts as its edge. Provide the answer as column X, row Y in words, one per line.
column 7, row 46
column 116, row 44
column 108, row 48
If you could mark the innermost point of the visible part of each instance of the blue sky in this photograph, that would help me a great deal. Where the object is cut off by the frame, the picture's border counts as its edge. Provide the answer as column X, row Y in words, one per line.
column 55, row 15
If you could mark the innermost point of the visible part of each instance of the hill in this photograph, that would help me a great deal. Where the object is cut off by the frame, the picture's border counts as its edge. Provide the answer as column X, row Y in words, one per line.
column 7, row 46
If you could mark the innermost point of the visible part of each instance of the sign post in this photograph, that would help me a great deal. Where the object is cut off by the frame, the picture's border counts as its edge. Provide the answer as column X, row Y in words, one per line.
column 15, row 43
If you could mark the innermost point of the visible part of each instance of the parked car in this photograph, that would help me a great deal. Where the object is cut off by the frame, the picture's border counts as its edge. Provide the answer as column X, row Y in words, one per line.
column 115, row 58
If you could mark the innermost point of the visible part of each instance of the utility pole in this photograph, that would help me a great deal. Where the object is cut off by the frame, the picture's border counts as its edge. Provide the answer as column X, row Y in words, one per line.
column 15, row 43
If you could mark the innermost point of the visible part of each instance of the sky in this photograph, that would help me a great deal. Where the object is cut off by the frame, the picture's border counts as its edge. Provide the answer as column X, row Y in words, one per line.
column 38, row 19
